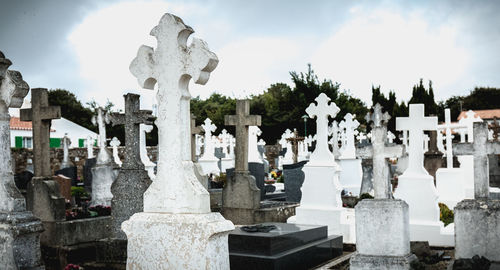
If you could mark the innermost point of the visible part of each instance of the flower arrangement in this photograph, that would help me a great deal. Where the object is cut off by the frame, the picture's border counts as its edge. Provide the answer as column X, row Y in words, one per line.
column 73, row 267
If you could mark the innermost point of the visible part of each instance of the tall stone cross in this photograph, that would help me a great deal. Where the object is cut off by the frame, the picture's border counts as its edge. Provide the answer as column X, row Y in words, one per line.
column 448, row 126
column 480, row 149
column 41, row 115
column 208, row 145
column 349, row 125
column 324, row 109
column 416, row 123
column 66, row 163
column 100, row 119
column 132, row 118
column 172, row 65
column 13, row 89
column 114, row 143
column 294, row 140
column 469, row 120
column 224, row 136
column 378, row 151
column 242, row 120
column 194, row 130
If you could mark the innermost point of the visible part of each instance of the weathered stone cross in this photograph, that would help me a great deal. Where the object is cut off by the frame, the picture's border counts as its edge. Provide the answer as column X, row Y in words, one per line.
column 66, row 143
column 349, row 125
column 378, row 151
column 242, row 120
column 194, row 130
column 416, row 123
column 132, row 118
column 100, row 119
column 41, row 115
column 294, row 140
column 480, row 149
column 448, row 126
column 323, row 109
column 172, row 65
column 208, row 146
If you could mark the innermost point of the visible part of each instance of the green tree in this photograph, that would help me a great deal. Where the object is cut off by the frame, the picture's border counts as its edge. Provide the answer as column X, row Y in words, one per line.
column 426, row 96
column 71, row 108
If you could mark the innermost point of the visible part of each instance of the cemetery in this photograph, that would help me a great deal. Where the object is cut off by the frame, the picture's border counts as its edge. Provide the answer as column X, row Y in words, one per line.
column 367, row 187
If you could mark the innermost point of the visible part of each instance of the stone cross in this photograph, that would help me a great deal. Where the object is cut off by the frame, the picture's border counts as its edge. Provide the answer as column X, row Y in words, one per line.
column 333, row 130
column 224, row 136
column 294, row 141
column 462, row 132
column 469, row 120
column 232, row 142
column 349, row 125
column 13, row 89
column 148, row 164
column 66, row 163
column 480, row 148
column 209, row 148
column 114, row 144
column 361, row 137
column 132, row 118
column 172, row 65
column 416, row 123
column 194, row 130
column 41, row 115
column 448, row 126
column 404, row 138
column 378, row 151
column 242, row 120
column 390, row 136
column 323, row 110
column 253, row 147
column 90, row 147
column 101, row 119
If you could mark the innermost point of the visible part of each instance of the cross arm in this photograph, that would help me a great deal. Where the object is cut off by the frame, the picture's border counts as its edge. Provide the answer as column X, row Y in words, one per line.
column 394, row 151
column 145, row 117
column 25, row 114
column 117, row 119
column 250, row 120
column 463, row 149
column 51, row 112
column 493, row 148
column 364, row 152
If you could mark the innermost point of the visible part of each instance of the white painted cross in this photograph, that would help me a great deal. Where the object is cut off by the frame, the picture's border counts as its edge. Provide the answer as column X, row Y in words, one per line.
column 172, row 65
column 426, row 142
column 324, row 109
column 469, row 120
column 416, row 123
column 209, row 148
column 448, row 126
column 114, row 144
column 66, row 143
column 101, row 119
column 224, row 137
column 349, row 125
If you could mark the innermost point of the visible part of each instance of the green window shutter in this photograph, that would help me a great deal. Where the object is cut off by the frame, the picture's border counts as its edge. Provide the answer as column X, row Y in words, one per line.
column 81, row 142
column 55, row 142
column 19, row 142
column 95, row 143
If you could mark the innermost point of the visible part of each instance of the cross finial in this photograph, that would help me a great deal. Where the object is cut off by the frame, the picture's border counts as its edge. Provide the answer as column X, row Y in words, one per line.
column 377, row 117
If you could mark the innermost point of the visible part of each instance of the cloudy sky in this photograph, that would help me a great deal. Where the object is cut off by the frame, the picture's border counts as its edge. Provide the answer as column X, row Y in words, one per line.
column 86, row 46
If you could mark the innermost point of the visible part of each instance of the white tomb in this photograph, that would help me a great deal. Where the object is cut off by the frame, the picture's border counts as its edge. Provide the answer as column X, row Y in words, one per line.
column 176, row 229
column 416, row 186
column 208, row 161
column 352, row 172
column 321, row 203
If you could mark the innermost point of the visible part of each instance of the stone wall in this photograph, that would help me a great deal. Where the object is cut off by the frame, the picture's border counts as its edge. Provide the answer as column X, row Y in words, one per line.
column 21, row 155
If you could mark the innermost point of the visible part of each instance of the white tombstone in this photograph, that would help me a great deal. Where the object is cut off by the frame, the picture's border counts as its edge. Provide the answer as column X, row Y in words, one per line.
column 288, row 158
column 253, row 148
column 114, row 145
column 390, row 137
column 467, row 161
column 262, row 143
column 176, row 229
column 333, row 130
column 450, row 182
column 416, row 186
column 149, row 166
column 208, row 161
column 227, row 149
column 90, row 147
column 321, row 203
column 352, row 172
column 426, row 140
column 66, row 163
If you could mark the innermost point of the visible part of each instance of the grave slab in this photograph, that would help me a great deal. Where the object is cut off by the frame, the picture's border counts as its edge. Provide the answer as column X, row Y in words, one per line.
column 294, row 179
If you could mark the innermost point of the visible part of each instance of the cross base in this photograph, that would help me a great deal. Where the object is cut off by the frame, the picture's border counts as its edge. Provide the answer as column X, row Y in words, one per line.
column 369, row 262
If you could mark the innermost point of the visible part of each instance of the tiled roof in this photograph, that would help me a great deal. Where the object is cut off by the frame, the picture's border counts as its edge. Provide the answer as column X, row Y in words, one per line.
column 17, row 124
column 484, row 114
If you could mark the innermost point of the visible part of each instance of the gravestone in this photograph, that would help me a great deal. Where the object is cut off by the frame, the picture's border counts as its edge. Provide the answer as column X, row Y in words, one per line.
column 333, row 130
column 19, row 229
column 176, row 229
column 261, row 145
column 64, row 184
column 382, row 224
column 294, row 141
column 208, row 160
column 288, row 155
column 114, row 145
column 103, row 173
column 132, row 180
column 67, row 167
column 352, row 173
column 321, row 203
column 433, row 158
column 294, row 178
column 477, row 221
column 416, row 186
column 148, row 164
column 227, row 161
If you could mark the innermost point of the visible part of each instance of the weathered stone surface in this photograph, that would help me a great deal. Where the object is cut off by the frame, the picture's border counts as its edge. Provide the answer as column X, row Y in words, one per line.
column 66, row 233
column 44, row 199
column 241, row 191
column 477, row 223
column 367, row 262
column 103, row 177
column 367, row 180
column 294, row 178
column 64, row 184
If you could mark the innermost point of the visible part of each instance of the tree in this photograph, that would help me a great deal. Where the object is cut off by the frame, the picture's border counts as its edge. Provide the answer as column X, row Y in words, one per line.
column 71, row 108
column 425, row 96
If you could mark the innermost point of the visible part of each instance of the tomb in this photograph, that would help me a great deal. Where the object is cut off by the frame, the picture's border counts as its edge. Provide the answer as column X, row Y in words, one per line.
column 351, row 174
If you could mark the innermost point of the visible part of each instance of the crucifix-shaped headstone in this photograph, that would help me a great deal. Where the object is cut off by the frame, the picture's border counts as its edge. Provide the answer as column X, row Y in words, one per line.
column 379, row 152
column 349, row 125
column 416, row 123
column 294, row 141
column 41, row 115
column 208, row 147
column 194, row 130
column 132, row 118
column 468, row 121
column 253, row 148
column 323, row 110
column 224, row 137
column 448, row 126
column 101, row 119
column 66, row 163
column 390, row 137
column 172, row 65
column 480, row 149
column 114, row 145
column 242, row 120
column 90, row 147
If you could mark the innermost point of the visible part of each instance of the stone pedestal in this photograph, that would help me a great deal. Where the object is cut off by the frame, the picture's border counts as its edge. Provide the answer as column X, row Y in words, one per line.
column 177, row 241
column 450, row 184
column 477, row 227
column 102, row 179
column 421, row 195
column 321, row 203
column 127, row 191
column 44, row 199
column 351, row 175
column 240, row 195
column 209, row 166
column 383, row 235
column 467, row 164
column 20, row 241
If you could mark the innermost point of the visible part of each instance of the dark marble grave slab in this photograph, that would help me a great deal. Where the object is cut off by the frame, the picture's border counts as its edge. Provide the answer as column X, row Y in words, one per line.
column 294, row 178
column 22, row 179
column 69, row 172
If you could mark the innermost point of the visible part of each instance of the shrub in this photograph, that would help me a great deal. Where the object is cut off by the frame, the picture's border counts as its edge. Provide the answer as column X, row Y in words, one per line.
column 445, row 215
column 78, row 192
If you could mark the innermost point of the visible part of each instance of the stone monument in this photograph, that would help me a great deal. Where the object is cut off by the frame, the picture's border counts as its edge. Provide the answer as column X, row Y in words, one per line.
column 66, row 163
column 67, row 168
column 19, row 229
column 352, row 173
column 208, row 160
column 176, row 229
column 114, row 145
column 416, row 186
column 382, row 224
column 132, row 180
column 149, row 166
column 89, row 164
